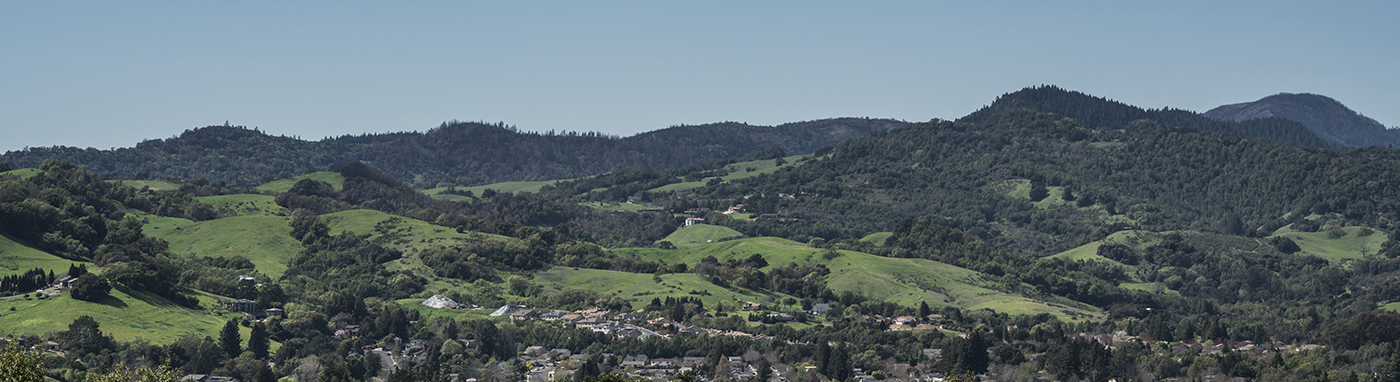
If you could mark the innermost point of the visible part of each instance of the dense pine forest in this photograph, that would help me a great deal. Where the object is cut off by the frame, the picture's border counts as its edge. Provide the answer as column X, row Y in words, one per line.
column 1049, row 236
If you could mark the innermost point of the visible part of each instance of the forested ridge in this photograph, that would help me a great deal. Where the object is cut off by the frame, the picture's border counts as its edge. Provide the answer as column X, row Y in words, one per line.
column 1144, row 173
column 462, row 153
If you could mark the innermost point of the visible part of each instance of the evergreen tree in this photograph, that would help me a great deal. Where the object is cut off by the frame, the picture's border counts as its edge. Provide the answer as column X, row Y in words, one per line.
column 1038, row 191
column 972, row 353
column 839, row 367
column 230, row 340
column 823, row 356
column 265, row 374
column 258, row 342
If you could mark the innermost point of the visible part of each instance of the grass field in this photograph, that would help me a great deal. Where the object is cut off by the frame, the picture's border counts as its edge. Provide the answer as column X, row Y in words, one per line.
column 16, row 258
column 1349, row 247
column 245, row 205
column 1391, row 306
column 279, row 186
column 264, row 240
column 506, row 187
column 155, row 185
column 877, row 238
column 1021, row 189
column 406, row 234
column 903, row 281
column 22, row 173
column 639, row 288
column 737, row 171
column 691, row 236
column 1091, row 251
column 125, row 317
column 605, row 206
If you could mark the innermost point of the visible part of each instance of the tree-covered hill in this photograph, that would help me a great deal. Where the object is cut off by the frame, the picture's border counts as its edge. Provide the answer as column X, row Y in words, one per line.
column 1102, row 113
column 1106, row 173
column 462, row 153
column 1324, row 116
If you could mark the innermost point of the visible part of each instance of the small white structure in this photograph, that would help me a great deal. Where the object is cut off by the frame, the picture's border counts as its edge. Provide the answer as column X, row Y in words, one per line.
column 441, row 302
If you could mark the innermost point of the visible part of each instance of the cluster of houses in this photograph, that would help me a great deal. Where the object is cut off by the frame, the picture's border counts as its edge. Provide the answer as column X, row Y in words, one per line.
column 250, row 308
column 557, row 364
column 1121, row 338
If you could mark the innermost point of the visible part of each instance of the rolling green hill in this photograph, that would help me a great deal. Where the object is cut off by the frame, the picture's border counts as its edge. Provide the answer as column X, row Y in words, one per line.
column 903, row 281
column 740, row 170
column 398, row 232
column 1090, row 251
column 878, row 238
column 701, row 234
column 279, row 186
column 245, row 205
column 640, row 288
column 264, row 240
column 506, row 187
column 22, row 173
column 155, row 185
column 16, row 258
column 126, row 317
column 1352, row 246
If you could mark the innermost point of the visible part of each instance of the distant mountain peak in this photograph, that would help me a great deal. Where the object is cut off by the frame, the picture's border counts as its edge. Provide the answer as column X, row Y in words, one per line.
column 1324, row 116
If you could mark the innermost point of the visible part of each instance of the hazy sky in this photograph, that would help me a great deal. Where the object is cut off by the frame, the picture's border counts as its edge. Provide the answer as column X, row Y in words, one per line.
column 110, row 74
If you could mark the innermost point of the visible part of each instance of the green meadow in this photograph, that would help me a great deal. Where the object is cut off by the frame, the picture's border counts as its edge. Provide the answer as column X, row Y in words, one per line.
column 878, row 238
column 282, row 185
column 1352, row 246
column 1090, row 251
column 505, row 187
column 16, row 258
column 686, row 237
column 126, row 317
column 639, row 288
column 22, row 173
column 264, row 240
column 738, row 170
column 155, row 185
column 245, row 205
column 399, row 232
column 903, row 281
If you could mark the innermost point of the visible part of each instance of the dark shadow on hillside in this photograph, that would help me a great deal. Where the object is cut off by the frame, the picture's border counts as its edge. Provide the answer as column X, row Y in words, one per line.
column 154, row 299
column 112, row 301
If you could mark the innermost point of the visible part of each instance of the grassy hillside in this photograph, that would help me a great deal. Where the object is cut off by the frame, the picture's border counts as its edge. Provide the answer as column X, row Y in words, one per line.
column 609, row 206
column 245, row 205
column 16, row 258
column 1352, row 246
column 125, row 317
column 1090, row 251
column 22, row 173
column 687, row 237
column 264, row 240
column 280, row 186
column 903, row 281
column 878, row 238
column 506, row 187
column 738, row 170
column 640, row 288
column 155, row 185
column 408, row 235
column 403, row 233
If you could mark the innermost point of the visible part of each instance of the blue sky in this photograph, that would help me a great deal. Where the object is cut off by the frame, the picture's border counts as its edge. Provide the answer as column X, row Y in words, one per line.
column 109, row 74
